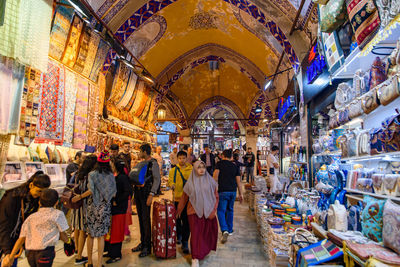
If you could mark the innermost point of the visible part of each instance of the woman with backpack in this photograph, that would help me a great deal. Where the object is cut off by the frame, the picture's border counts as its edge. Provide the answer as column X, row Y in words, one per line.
column 101, row 189
column 79, row 215
column 15, row 206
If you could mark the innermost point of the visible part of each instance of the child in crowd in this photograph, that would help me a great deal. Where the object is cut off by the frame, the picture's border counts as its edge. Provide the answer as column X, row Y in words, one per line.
column 177, row 180
column 40, row 232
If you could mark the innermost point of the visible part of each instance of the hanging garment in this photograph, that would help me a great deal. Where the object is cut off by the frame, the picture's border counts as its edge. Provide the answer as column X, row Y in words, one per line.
column 91, row 55
column 81, row 113
column 99, row 60
column 52, row 105
column 70, row 101
column 83, row 48
column 5, row 94
column 129, row 91
column 93, row 116
column 102, row 91
column 24, row 34
column 71, row 48
column 59, row 31
column 29, row 106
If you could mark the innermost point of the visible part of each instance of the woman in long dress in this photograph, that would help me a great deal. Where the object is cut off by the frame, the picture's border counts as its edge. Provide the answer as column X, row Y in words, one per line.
column 200, row 193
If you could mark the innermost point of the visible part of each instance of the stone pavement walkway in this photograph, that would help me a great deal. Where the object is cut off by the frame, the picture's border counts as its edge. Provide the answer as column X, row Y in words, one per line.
column 244, row 248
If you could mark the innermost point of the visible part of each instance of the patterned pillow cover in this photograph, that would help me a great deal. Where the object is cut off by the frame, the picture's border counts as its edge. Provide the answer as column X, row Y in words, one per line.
column 372, row 221
column 391, row 226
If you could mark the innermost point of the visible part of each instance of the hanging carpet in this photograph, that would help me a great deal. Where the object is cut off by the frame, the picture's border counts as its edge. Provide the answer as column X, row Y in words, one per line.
column 71, row 48
column 29, row 107
column 59, row 31
column 93, row 116
column 81, row 113
column 91, row 55
column 139, row 98
column 102, row 91
column 50, row 127
column 70, row 101
column 129, row 91
column 120, row 83
column 83, row 49
column 99, row 60
column 143, row 101
column 146, row 109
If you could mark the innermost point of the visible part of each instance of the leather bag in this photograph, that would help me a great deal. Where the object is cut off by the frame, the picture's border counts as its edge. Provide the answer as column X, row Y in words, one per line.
column 69, row 192
column 391, row 136
column 355, row 109
column 369, row 101
column 389, row 90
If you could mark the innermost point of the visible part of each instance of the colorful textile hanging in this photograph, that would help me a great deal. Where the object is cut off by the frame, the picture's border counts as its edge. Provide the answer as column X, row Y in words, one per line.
column 24, row 35
column 81, row 113
column 143, row 101
column 51, row 110
column 120, row 83
column 91, row 55
column 152, row 111
column 29, row 107
column 129, row 107
column 93, row 116
column 139, row 95
column 71, row 48
column 99, row 60
column 70, row 100
column 4, row 145
column 83, row 50
column 129, row 91
column 60, row 30
column 102, row 91
column 146, row 109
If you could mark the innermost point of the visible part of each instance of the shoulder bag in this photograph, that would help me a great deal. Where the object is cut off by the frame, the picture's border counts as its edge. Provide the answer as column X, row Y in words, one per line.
column 389, row 90
column 70, row 191
column 391, row 133
column 369, row 101
column 355, row 109
column 377, row 143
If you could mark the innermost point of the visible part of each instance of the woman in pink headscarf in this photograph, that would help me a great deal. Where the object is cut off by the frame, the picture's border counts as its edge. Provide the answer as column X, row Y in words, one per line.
column 200, row 194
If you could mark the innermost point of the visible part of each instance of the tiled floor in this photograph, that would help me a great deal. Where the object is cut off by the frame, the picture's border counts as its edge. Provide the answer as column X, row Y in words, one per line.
column 242, row 249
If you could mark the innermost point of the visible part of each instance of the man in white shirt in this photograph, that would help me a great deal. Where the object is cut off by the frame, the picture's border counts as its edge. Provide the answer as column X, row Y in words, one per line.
column 273, row 166
column 173, row 157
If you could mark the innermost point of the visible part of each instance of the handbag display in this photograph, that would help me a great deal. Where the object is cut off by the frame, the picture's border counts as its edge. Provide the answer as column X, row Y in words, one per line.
column 332, row 15
column 390, row 183
column 377, row 141
column 364, row 19
column 333, row 121
column 343, row 116
column 337, row 217
column 344, row 95
column 69, row 192
column 360, row 82
column 377, row 182
column 377, row 74
column 388, row 90
column 352, row 143
column 355, row 109
column 363, row 145
column 391, row 136
column 369, row 101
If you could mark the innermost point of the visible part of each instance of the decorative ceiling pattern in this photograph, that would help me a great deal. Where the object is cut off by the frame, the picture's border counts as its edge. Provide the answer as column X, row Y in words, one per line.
column 255, row 116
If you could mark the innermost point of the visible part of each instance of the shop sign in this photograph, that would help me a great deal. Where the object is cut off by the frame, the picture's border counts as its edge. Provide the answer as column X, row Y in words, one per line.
column 286, row 107
column 317, row 64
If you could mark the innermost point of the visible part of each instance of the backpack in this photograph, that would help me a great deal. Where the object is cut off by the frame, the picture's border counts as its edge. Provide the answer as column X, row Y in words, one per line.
column 139, row 174
column 183, row 179
column 355, row 217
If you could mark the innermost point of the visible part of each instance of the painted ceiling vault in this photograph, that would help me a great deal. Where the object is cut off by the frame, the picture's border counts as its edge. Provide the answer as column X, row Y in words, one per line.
column 178, row 41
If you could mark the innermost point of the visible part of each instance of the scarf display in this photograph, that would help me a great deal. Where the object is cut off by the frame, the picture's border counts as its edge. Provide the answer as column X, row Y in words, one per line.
column 29, row 106
column 52, row 104
column 201, row 191
column 59, row 32
column 102, row 186
column 93, row 116
column 71, row 48
column 70, row 100
column 91, row 55
column 120, row 83
column 83, row 48
column 24, row 35
column 129, row 91
column 99, row 60
column 81, row 113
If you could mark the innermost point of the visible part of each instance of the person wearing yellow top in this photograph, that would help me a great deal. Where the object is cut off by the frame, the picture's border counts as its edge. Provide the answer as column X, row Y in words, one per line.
column 178, row 176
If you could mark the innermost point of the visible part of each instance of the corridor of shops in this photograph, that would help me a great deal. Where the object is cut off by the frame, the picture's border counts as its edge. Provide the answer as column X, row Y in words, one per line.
column 199, row 133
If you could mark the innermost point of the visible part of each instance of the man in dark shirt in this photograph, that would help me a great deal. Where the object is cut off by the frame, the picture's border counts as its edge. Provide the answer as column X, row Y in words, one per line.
column 126, row 154
column 209, row 159
column 249, row 159
column 73, row 167
column 228, row 176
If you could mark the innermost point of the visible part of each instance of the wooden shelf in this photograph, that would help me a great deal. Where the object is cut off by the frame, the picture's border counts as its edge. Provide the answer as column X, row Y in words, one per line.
column 372, row 194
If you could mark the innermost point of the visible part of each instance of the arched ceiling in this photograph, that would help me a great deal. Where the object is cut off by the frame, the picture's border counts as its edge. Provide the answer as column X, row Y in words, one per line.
column 175, row 39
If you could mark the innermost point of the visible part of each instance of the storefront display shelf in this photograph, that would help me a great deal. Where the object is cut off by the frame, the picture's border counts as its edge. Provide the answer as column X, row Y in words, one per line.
column 128, row 138
column 363, row 59
column 372, row 194
column 128, row 125
column 333, row 154
column 298, row 162
column 380, row 157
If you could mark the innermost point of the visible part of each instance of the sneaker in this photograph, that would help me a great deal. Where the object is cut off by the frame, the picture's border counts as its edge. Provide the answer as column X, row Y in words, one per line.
column 231, row 233
column 195, row 263
column 81, row 261
column 224, row 237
